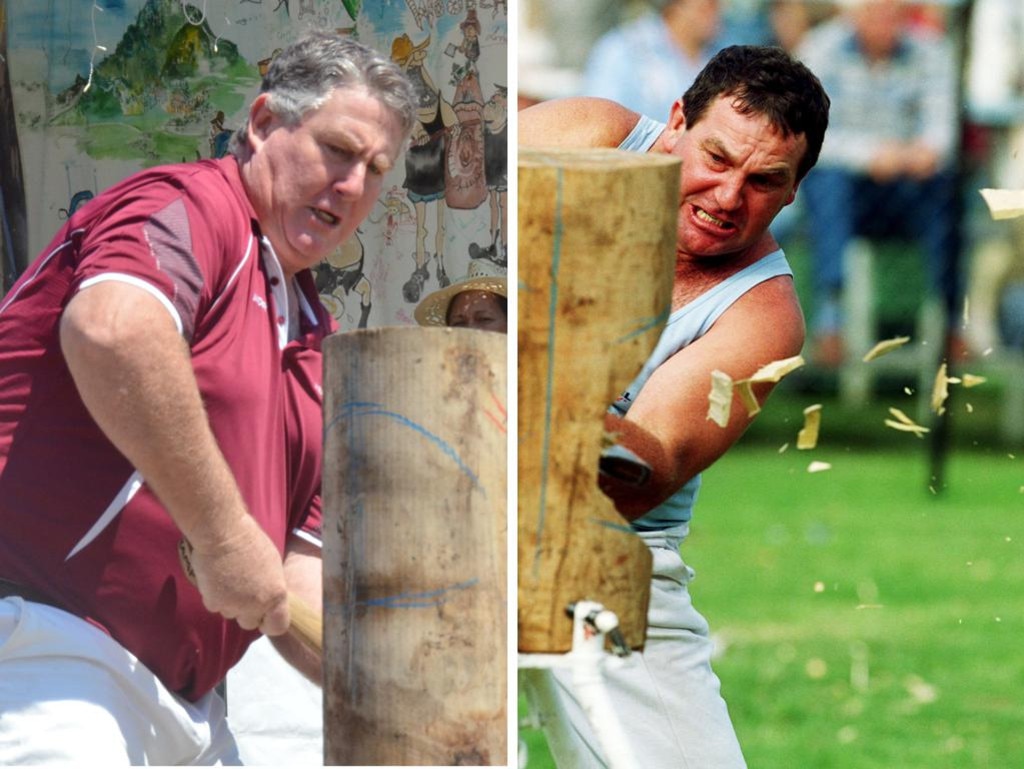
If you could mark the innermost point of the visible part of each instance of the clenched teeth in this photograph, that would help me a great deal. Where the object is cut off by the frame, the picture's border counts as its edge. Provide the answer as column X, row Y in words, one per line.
column 702, row 214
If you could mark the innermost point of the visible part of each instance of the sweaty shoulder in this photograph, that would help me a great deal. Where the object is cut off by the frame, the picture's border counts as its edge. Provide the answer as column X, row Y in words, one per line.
column 578, row 121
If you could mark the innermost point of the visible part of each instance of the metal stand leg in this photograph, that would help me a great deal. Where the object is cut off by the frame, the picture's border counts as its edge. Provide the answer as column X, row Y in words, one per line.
column 592, row 625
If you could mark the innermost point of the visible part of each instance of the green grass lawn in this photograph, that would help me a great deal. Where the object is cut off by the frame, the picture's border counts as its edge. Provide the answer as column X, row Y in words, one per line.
column 862, row 620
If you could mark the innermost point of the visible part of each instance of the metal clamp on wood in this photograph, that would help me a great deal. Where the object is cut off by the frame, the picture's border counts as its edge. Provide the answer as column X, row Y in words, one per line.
column 600, row 620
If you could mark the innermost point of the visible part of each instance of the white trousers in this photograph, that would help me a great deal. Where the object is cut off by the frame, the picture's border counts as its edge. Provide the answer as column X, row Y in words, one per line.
column 276, row 715
column 667, row 697
column 70, row 694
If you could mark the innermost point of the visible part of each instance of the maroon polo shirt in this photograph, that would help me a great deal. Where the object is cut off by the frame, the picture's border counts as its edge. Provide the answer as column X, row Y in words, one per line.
column 76, row 521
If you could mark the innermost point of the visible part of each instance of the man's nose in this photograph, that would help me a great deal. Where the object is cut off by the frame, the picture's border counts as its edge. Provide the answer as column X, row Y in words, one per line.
column 352, row 183
column 729, row 192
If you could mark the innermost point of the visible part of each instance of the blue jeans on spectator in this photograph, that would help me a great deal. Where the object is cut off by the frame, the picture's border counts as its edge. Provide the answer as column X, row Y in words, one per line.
column 1011, row 315
column 841, row 205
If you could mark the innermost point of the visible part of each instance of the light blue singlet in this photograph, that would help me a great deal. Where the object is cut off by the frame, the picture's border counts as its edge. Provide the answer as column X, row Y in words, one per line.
column 686, row 324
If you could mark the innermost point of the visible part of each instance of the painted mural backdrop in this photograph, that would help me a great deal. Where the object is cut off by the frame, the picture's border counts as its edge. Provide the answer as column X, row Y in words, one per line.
column 102, row 89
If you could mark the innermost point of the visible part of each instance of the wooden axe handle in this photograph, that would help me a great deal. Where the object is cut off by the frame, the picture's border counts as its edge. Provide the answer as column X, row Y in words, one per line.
column 307, row 624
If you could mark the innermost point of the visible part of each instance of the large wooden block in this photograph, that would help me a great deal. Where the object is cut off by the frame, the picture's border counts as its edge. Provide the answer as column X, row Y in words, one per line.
column 596, row 254
column 415, row 537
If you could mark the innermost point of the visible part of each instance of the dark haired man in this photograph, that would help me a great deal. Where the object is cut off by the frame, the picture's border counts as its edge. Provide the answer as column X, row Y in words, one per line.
column 747, row 132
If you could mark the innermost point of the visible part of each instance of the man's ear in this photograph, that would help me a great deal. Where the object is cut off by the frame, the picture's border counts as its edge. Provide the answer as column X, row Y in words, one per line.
column 676, row 125
column 261, row 120
column 676, row 119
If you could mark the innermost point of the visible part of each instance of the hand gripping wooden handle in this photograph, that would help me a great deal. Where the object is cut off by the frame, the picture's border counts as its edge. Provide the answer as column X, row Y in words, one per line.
column 307, row 624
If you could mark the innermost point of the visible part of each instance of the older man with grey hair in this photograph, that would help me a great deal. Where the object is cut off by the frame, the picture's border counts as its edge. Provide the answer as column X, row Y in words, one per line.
column 150, row 397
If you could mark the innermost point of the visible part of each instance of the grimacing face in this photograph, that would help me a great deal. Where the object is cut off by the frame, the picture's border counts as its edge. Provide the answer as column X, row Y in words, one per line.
column 739, row 171
column 477, row 309
column 313, row 183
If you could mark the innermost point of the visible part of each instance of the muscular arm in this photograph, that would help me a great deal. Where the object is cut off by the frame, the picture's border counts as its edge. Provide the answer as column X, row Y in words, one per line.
column 576, row 122
column 303, row 570
column 134, row 374
column 667, row 425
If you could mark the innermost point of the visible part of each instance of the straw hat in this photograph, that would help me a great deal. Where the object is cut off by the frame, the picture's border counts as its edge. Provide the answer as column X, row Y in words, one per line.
column 483, row 275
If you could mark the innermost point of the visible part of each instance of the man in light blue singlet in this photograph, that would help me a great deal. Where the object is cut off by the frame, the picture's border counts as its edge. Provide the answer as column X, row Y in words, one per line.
column 747, row 132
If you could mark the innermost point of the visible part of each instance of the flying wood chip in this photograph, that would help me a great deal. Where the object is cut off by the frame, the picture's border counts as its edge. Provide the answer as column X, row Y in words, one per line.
column 817, row 467
column 807, row 438
column 1004, row 204
column 722, row 386
column 904, row 423
column 885, row 346
column 917, row 430
column 900, row 416
column 774, row 371
column 745, row 389
column 940, row 391
column 720, row 398
column 972, row 380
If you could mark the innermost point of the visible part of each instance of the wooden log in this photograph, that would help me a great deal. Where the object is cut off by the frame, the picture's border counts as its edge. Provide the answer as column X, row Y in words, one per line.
column 415, row 561
column 597, row 234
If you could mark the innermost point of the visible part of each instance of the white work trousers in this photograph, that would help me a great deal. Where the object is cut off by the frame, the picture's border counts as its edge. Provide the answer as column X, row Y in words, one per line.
column 70, row 694
column 667, row 697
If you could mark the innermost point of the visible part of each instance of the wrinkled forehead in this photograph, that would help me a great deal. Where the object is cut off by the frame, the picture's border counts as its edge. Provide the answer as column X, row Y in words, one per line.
column 728, row 115
column 748, row 138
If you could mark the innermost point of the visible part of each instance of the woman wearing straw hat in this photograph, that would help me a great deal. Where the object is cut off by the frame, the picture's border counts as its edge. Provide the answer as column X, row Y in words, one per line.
column 478, row 300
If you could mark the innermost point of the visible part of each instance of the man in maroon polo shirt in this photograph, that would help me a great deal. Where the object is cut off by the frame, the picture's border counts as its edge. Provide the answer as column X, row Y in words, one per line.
column 151, row 388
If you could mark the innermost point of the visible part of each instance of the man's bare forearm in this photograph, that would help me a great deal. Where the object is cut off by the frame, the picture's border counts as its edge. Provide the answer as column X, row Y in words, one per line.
column 134, row 374
column 636, row 472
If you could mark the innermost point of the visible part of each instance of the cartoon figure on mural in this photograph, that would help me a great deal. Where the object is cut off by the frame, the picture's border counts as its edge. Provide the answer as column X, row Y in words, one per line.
column 424, row 162
column 496, row 173
column 219, row 136
column 469, row 47
column 396, row 215
column 339, row 274
column 466, row 187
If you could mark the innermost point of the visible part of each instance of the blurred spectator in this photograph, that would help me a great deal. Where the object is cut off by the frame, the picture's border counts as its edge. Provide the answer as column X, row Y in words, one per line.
column 888, row 165
column 788, row 21
column 995, row 64
column 554, row 40
column 996, row 282
column 648, row 63
column 995, row 101
column 996, row 293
